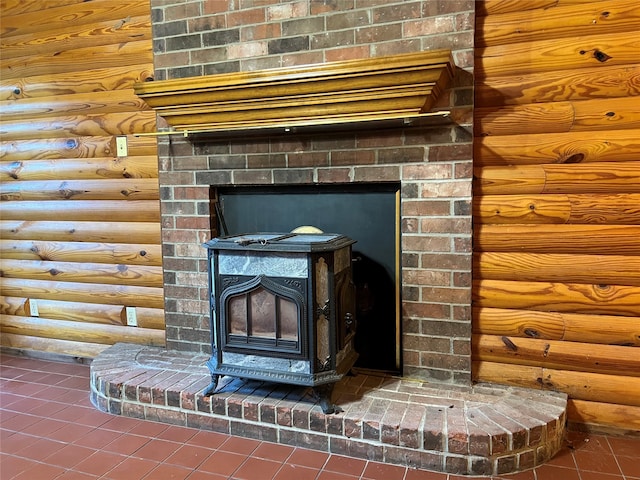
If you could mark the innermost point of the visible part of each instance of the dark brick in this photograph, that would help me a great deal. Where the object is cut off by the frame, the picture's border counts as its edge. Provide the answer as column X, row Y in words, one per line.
column 481, row 466
column 267, row 161
column 221, row 37
column 115, row 407
column 267, row 413
column 396, row 13
column 526, row 460
column 293, row 176
column 172, row 417
column 183, row 42
column 433, row 438
column 222, row 67
column 227, row 162
column 287, row 45
column 506, row 464
column 304, row 25
column 170, row 29
column 217, row 178
column 456, row 465
column 404, row 155
column 157, row 15
column 203, row 404
column 185, row 72
column 321, row 41
column 462, row 207
column 133, row 410
column 309, row 440
column 208, row 422
column 257, row 432
column 317, row 421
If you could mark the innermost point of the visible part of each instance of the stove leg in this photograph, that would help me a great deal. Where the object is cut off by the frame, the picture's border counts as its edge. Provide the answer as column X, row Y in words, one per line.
column 324, row 393
column 211, row 389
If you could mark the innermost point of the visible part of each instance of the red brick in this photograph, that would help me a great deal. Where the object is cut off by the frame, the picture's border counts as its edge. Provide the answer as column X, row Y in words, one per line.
column 446, row 225
column 426, row 310
column 334, row 175
column 449, row 153
column 376, row 174
column 383, row 32
column 426, row 207
column 249, row 177
column 426, row 277
column 347, row 53
column 308, row 159
column 264, row 31
column 421, row 244
column 427, row 171
column 215, row 6
column 247, row 16
column 433, row 438
column 353, row 157
column 429, row 26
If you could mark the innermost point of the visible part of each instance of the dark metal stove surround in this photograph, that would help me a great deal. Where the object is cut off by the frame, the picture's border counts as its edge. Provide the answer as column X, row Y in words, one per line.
column 282, row 309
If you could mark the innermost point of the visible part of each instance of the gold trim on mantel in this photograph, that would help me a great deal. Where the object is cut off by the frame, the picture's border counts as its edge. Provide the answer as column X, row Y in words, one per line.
column 400, row 87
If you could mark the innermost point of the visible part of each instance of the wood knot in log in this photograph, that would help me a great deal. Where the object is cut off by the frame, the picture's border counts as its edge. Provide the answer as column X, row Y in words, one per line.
column 14, row 170
column 530, row 332
column 597, row 54
column 575, row 158
column 509, row 344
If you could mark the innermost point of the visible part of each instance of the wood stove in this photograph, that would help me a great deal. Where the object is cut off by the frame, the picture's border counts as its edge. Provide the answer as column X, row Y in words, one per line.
column 282, row 309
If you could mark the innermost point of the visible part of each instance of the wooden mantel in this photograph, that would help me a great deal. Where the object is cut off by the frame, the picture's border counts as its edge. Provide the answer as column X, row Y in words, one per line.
column 399, row 87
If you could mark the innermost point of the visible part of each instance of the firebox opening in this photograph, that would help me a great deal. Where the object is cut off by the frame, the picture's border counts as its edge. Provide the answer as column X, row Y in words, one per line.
column 367, row 213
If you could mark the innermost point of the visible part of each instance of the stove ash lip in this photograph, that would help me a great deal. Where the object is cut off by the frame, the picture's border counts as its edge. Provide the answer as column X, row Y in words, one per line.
column 262, row 283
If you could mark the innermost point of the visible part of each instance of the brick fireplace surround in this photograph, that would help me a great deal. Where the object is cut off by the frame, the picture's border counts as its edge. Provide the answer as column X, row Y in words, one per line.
column 432, row 165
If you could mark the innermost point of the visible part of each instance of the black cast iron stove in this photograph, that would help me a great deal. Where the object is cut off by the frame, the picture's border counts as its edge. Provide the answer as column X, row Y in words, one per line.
column 282, row 309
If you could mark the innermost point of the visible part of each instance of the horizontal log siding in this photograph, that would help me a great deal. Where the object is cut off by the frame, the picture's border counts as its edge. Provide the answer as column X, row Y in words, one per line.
column 556, row 301
column 80, row 238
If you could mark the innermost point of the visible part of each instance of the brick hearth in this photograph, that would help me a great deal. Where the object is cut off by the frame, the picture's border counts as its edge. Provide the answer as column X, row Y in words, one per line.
column 477, row 430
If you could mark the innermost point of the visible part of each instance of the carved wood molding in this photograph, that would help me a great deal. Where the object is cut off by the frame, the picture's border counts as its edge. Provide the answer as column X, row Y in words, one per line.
column 374, row 89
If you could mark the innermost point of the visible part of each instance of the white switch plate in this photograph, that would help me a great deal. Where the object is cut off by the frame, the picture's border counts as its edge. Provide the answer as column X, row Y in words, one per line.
column 132, row 320
column 33, row 308
column 121, row 146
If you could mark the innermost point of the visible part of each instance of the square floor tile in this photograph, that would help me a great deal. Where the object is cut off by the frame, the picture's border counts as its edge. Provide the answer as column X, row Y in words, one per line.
column 158, row 450
column 99, row 463
column 257, row 469
column 381, row 471
column 272, row 451
column 308, row 458
column 222, row 463
column 296, row 472
column 244, row 446
column 131, row 469
column 169, row 472
column 69, row 456
column 347, row 465
column 189, row 456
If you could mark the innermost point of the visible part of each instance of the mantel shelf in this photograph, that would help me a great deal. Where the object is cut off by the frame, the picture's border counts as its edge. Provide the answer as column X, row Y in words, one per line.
column 382, row 91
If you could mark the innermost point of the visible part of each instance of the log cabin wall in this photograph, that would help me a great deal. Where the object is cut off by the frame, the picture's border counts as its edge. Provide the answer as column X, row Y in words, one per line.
column 556, row 202
column 79, row 231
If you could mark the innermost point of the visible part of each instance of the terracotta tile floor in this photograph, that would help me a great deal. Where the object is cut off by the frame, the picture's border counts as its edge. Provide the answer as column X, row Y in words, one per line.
column 50, row 430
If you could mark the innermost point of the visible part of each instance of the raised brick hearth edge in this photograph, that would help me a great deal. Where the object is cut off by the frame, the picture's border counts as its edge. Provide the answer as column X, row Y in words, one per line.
column 479, row 430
